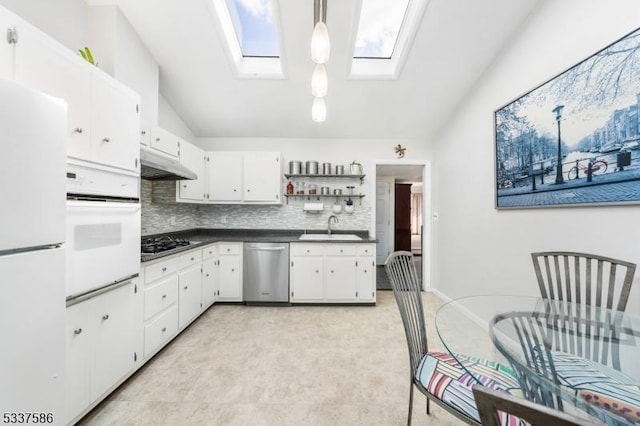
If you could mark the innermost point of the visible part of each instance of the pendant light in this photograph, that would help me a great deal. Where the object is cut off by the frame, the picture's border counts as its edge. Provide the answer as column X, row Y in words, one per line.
column 318, row 110
column 319, row 83
column 320, row 50
column 320, row 45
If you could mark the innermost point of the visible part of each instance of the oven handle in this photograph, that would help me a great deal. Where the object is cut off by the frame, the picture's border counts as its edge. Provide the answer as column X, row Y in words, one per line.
column 95, row 205
column 78, row 298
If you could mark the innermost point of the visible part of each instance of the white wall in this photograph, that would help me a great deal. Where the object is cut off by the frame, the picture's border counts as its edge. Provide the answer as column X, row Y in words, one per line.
column 64, row 20
column 494, row 246
column 169, row 120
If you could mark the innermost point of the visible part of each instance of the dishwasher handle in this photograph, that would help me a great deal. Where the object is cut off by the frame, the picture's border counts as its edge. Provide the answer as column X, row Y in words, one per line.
column 267, row 248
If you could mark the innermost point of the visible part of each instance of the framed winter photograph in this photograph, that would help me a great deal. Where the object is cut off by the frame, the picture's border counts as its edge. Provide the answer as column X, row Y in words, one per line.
column 575, row 139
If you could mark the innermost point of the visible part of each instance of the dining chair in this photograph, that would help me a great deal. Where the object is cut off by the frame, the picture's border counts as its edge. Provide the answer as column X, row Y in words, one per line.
column 493, row 404
column 566, row 355
column 584, row 278
column 441, row 377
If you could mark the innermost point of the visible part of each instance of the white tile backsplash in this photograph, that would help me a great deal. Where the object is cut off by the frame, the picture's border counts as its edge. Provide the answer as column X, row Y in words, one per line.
column 160, row 211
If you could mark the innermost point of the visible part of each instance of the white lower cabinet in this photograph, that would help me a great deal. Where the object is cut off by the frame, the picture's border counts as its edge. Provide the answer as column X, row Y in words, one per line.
column 306, row 278
column 210, row 276
column 366, row 273
column 103, row 344
column 332, row 273
column 160, row 303
column 160, row 308
column 230, row 272
column 190, row 293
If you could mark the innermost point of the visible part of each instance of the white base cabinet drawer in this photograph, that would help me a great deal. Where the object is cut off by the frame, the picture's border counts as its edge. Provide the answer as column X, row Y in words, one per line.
column 160, row 330
column 233, row 249
column 160, row 269
column 160, row 296
column 191, row 258
column 340, row 249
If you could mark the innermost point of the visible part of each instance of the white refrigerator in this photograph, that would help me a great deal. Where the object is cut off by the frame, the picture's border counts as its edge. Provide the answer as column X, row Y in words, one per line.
column 33, row 134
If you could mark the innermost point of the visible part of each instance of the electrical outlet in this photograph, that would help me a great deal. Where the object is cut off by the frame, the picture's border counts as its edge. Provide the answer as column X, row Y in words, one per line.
column 223, row 219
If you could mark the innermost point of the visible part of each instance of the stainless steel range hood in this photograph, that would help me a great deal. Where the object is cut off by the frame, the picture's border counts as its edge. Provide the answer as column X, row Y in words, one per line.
column 156, row 166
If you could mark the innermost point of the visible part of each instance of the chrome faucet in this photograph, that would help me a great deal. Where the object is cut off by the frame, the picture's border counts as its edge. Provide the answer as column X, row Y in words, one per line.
column 329, row 223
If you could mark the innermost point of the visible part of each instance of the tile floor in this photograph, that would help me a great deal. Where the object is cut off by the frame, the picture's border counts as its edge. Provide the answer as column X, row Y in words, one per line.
column 301, row 365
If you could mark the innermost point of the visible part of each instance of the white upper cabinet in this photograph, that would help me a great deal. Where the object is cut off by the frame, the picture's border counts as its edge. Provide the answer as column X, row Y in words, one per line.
column 244, row 177
column 225, row 176
column 6, row 46
column 46, row 66
column 103, row 114
column 262, row 171
column 193, row 158
column 164, row 141
column 115, row 123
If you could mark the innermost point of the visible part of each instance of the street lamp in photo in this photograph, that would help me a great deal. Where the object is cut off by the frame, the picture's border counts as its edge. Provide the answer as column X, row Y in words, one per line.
column 558, row 111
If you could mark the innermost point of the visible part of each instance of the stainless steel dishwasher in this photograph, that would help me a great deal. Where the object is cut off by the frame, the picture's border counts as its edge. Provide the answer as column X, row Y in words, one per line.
column 266, row 273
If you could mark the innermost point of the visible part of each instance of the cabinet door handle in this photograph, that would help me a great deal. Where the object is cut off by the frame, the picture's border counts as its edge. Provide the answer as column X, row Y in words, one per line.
column 157, row 139
column 193, row 258
column 164, row 269
column 106, row 140
column 77, row 331
column 332, row 271
column 206, row 275
column 164, row 296
column 318, row 271
column 143, row 132
column 233, row 270
column 186, row 287
column 78, row 130
column 164, row 329
column 105, row 317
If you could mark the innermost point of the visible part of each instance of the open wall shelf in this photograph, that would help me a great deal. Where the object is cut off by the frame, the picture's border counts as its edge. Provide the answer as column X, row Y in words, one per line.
column 317, row 197
column 361, row 177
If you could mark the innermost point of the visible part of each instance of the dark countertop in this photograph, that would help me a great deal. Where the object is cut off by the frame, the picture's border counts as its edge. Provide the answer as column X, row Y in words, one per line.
column 204, row 236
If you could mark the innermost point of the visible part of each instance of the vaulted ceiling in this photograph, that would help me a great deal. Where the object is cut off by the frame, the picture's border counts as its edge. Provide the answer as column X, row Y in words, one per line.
column 454, row 44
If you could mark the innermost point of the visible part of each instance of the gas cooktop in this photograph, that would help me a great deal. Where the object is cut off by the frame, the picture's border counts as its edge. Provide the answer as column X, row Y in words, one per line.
column 154, row 247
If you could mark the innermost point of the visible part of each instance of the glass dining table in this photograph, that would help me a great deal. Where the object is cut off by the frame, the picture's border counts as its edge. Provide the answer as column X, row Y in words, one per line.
column 576, row 358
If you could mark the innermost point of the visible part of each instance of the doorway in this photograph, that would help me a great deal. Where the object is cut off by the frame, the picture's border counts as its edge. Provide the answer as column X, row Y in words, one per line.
column 402, row 201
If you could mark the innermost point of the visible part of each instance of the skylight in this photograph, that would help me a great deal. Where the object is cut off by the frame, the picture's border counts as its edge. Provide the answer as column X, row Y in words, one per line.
column 380, row 22
column 255, row 30
column 251, row 31
column 385, row 31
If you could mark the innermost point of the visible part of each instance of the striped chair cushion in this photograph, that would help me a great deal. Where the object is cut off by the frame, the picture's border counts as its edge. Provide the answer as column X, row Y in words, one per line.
column 598, row 384
column 442, row 375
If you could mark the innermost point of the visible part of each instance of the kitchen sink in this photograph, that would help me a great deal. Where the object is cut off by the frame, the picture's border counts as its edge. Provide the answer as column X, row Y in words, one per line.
column 329, row 237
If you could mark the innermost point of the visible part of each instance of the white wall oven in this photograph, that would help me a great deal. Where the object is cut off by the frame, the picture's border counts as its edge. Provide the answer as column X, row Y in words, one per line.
column 103, row 231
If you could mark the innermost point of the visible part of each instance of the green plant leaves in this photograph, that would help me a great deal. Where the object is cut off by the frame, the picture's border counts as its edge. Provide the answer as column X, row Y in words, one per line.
column 87, row 56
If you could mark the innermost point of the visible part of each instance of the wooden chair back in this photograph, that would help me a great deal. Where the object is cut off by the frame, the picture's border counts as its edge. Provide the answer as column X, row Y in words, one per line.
column 584, row 278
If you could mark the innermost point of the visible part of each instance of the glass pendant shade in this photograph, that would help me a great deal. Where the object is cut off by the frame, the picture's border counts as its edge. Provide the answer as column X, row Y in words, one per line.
column 318, row 110
column 319, row 82
column 320, row 47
